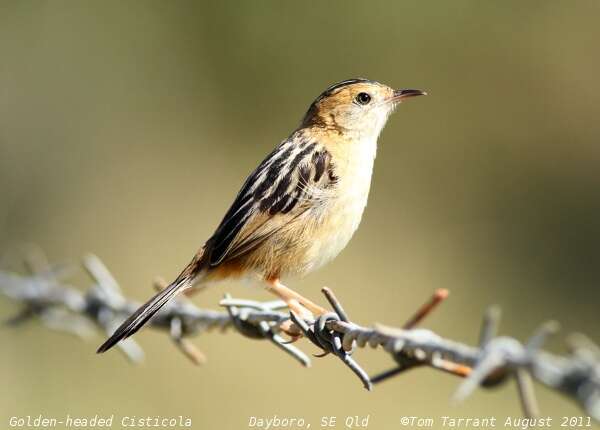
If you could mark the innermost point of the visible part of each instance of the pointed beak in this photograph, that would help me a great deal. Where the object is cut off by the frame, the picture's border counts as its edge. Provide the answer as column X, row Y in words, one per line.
column 400, row 95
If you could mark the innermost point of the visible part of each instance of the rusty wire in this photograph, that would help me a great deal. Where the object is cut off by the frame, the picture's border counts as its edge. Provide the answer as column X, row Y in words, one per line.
column 43, row 294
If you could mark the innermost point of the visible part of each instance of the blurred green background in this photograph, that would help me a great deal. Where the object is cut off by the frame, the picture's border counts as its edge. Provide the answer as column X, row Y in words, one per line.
column 126, row 129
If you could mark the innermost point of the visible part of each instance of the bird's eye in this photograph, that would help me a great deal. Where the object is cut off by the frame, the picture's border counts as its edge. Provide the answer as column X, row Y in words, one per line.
column 363, row 98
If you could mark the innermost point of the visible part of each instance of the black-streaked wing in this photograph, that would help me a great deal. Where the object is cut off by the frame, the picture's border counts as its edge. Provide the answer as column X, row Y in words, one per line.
column 294, row 178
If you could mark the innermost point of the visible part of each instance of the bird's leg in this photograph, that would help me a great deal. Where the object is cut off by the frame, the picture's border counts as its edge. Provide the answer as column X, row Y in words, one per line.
column 303, row 307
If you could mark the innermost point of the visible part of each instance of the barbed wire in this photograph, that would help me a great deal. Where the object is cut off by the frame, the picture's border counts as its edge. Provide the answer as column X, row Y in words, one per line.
column 44, row 294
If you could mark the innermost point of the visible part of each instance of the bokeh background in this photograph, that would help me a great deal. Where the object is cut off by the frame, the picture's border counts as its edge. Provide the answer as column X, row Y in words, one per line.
column 126, row 129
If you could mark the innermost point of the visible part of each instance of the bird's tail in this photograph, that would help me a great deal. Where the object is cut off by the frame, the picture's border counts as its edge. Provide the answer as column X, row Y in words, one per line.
column 148, row 309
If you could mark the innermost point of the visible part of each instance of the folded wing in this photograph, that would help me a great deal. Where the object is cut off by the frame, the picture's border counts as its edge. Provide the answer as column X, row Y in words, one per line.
column 296, row 177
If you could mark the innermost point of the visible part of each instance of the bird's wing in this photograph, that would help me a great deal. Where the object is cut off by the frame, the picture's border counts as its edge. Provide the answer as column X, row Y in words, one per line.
column 297, row 176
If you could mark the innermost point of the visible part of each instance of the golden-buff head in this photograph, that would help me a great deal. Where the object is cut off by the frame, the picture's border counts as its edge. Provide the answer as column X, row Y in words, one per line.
column 357, row 107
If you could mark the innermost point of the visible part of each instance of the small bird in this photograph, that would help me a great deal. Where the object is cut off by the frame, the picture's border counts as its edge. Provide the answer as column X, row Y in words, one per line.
column 299, row 208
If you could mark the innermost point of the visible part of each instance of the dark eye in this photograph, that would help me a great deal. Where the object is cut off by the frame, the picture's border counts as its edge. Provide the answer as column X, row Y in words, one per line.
column 363, row 98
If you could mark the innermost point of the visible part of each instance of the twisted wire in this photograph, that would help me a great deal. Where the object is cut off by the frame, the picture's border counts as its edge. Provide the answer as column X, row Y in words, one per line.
column 44, row 294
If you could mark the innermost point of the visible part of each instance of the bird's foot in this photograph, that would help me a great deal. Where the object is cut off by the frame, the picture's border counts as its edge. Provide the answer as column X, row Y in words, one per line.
column 301, row 312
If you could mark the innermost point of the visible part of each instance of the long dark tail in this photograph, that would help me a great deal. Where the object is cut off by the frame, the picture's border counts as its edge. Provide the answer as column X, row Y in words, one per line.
column 148, row 309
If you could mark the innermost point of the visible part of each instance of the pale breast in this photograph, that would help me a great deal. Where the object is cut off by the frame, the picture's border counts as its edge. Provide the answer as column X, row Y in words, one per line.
column 339, row 220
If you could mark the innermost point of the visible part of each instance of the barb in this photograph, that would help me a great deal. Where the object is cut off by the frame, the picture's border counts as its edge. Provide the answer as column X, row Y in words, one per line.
column 43, row 293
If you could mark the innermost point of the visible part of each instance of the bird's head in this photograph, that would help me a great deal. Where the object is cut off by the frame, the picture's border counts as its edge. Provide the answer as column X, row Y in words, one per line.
column 356, row 106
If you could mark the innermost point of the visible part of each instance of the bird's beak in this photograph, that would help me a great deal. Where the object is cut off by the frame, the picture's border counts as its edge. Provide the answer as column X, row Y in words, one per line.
column 400, row 95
